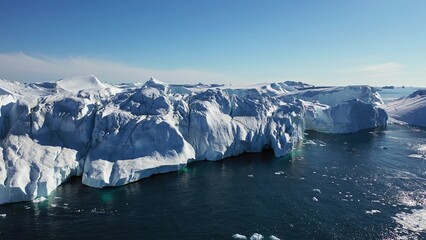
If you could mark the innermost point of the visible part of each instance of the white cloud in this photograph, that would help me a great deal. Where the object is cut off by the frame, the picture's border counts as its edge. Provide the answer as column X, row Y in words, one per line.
column 25, row 68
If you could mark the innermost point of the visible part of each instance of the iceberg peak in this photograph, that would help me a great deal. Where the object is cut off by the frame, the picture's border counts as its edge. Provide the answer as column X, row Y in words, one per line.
column 75, row 84
column 154, row 83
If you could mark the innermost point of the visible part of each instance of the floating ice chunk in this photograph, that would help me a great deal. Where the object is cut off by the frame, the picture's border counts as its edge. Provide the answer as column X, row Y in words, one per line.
column 372, row 212
column 279, row 172
column 310, row 142
column 272, row 237
column 316, row 190
column 250, row 176
column 256, row 236
column 40, row 199
column 315, row 199
column 238, row 236
column 3, row 215
column 417, row 156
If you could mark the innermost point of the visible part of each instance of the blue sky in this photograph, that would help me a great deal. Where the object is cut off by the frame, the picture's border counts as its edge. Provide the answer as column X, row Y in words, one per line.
column 381, row 42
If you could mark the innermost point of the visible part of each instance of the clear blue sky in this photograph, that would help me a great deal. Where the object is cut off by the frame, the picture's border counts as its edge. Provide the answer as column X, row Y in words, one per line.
column 378, row 42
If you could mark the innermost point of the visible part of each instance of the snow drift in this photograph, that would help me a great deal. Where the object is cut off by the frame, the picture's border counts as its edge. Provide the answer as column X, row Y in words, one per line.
column 114, row 135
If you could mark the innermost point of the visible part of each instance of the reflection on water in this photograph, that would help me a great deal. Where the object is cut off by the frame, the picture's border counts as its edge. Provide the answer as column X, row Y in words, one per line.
column 344, row 186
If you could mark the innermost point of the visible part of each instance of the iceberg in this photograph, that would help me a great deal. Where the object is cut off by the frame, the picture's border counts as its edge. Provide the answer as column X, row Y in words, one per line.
column 112, row 135
column 409, row 110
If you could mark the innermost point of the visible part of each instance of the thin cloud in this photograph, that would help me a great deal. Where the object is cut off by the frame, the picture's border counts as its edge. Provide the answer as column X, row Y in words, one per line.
column 25, row 68
column 390, row 67
column 388, row 73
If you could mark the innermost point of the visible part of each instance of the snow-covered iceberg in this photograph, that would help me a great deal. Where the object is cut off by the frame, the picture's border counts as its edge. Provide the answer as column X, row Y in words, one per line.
column 410, row 110
column 114, row 135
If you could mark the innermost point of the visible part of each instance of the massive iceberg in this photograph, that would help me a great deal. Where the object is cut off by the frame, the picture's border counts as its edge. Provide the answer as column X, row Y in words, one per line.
column 112, row 135
column 410, row 110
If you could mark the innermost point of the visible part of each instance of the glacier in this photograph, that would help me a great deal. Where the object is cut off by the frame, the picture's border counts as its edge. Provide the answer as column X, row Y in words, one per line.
column 112, row 135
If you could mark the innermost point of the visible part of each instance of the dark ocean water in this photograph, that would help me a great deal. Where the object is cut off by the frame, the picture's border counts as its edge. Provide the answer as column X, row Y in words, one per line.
column 355, row 173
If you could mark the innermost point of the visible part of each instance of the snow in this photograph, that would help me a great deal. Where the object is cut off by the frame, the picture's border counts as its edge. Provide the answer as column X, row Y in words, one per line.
column 115, row 135
column 410, row 110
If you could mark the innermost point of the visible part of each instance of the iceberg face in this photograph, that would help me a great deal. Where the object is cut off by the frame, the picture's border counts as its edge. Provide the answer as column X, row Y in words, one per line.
column 349, row 116
column 410, row 110
column 114, row 135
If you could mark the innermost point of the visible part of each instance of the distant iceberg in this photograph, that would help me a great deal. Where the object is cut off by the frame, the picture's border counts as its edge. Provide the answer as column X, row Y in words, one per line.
column 112, row 135
column 410, row 110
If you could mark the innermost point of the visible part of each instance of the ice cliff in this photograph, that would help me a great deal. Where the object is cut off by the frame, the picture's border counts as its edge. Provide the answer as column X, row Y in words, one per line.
column 114, row 135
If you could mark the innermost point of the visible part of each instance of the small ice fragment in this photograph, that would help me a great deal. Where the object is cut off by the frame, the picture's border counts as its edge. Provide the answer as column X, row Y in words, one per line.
column 272, row 237
column 418, row 156
column 57, row 197
column 302, row 178
column 53, row 205
column 279, row 172
column 315, row 199
column 3, row 215
column 310, row 142
column 316, row 190
column 250, row 175
column 372, row 212
column 256, row 236
column 40, row 199
column 238, row 236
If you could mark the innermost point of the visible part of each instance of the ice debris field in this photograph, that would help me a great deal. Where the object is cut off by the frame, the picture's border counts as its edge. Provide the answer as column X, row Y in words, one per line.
column 112, row 135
